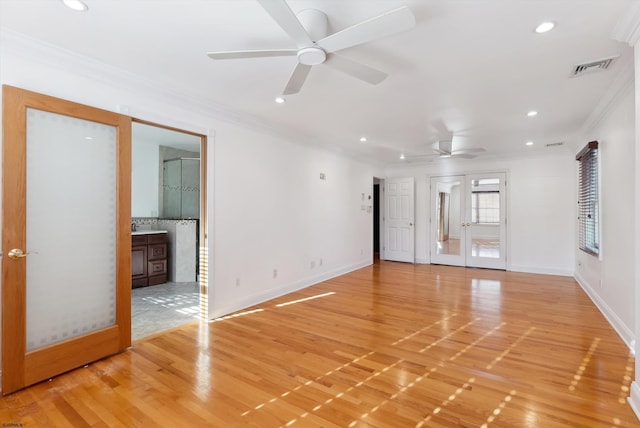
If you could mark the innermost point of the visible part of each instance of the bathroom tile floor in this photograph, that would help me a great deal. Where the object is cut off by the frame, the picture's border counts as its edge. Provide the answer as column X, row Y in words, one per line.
column 161, row 307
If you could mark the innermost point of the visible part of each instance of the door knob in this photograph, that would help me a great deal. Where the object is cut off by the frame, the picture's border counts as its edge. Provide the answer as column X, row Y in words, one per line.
column 410, row 224
column 16, row 253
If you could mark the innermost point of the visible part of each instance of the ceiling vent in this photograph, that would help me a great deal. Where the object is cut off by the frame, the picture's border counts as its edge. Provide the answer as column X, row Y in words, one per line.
column 592, row 66
column 554, row 145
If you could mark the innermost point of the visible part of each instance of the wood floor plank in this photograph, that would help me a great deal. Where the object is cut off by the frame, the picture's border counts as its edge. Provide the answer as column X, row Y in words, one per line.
column 390, row 345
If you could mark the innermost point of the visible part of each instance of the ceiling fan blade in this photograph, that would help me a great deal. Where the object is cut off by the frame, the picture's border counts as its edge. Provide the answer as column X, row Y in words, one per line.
column 284, row 16
column 469, row 150
column 252, row 54
column 463, row 156
column 355, row 69
column 388, row 23
column 297, row 79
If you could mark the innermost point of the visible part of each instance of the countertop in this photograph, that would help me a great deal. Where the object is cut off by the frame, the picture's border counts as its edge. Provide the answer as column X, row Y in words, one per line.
column 147, row 232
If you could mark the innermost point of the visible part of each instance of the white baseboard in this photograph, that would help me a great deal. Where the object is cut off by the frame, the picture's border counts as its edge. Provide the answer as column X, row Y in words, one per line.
column 540, row 270
column 423, row 261
column 623, row 331
column 634, row 399
column 285, row 289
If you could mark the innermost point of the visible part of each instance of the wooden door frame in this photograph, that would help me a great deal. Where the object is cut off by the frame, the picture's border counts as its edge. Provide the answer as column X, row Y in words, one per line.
column 203, row 259
column 21, row 368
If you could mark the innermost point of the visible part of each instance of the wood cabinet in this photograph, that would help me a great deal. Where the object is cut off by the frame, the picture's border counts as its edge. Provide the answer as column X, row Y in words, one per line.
column 148, row 259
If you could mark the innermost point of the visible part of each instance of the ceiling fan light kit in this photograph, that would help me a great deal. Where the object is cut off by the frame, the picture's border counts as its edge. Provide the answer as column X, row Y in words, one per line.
column 308, row 29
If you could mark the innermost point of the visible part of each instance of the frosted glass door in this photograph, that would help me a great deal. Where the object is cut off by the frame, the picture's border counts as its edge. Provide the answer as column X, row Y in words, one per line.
column 66, row 239
column 71, row 227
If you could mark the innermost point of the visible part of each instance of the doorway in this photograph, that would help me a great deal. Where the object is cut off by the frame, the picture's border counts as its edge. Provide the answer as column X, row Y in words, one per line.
column 468, row 220
column 167, row 219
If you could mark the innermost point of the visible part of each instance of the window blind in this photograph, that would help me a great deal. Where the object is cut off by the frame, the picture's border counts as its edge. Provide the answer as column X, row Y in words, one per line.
column 588, row 215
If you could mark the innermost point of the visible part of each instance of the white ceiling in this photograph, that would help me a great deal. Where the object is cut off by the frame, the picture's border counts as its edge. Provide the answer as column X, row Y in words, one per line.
column 472, row 67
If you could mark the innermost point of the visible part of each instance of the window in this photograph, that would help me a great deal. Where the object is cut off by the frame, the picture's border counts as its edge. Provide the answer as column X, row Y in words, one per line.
column 588, row 213
column 485, row 201
column 485, row 207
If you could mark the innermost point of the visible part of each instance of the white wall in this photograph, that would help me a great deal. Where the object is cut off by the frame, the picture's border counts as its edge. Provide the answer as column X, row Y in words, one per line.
column 268, row 209
column 540, row 207
column 144, row 178
column 609, row 279
column 278, row 214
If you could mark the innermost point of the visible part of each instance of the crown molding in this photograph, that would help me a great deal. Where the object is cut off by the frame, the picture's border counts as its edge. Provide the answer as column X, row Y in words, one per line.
column 55, row 57
column 622, row 85
column 627, row 29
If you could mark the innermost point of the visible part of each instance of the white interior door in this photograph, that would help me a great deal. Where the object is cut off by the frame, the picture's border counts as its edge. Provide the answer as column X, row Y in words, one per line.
column 468, row 220
column 399, row 241
column 448, row 231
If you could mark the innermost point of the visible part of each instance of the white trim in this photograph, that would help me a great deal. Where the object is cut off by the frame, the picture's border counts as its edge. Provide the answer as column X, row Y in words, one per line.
column 285, row 289
column 58, row 58
column 634, row 398
column 623, row 331
column 622, row 84
column 423, row 261
column 627, row 29
column 539, row 270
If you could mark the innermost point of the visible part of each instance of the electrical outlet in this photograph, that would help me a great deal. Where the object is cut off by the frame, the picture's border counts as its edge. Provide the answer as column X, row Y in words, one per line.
column 320, row 263
column 237, row 282
column 361, row 251
column 275, row 273
column 313, row 264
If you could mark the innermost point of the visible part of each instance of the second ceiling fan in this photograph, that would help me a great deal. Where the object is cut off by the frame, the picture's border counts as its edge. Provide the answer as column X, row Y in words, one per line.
column 309, row 32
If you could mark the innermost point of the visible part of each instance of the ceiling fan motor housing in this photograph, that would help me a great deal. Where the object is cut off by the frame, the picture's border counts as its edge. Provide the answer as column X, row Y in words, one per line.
column 314, row 22
column 311, row 56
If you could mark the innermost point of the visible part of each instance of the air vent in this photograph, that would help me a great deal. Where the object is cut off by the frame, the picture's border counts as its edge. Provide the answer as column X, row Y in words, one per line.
column 554, row 145
column 593, row 66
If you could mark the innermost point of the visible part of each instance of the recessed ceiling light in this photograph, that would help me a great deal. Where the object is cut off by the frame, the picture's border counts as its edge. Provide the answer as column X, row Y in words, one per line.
column 402, row 156
column 532, row 113
column 545, row 26
column 78, row 5
column 363, row 139
column 529, row 143
column 280, row 100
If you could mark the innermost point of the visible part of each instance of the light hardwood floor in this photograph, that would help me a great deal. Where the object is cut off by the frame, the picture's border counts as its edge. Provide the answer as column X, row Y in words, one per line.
column 391, row 345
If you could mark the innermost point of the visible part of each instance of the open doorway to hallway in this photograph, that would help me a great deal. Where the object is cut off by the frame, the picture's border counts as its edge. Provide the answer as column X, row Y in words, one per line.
column 378, row 186
column 167, row 228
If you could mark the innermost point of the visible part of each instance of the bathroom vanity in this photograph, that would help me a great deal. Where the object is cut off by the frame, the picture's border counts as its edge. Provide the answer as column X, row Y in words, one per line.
column 148, row 257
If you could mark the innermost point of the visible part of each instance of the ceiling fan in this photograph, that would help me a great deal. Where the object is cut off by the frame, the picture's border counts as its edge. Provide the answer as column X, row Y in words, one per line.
column 443, row 149
column 309, row 32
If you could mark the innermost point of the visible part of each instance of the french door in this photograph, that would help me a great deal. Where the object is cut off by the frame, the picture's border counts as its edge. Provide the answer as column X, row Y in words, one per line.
column 468, row 220
column 66, row 266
